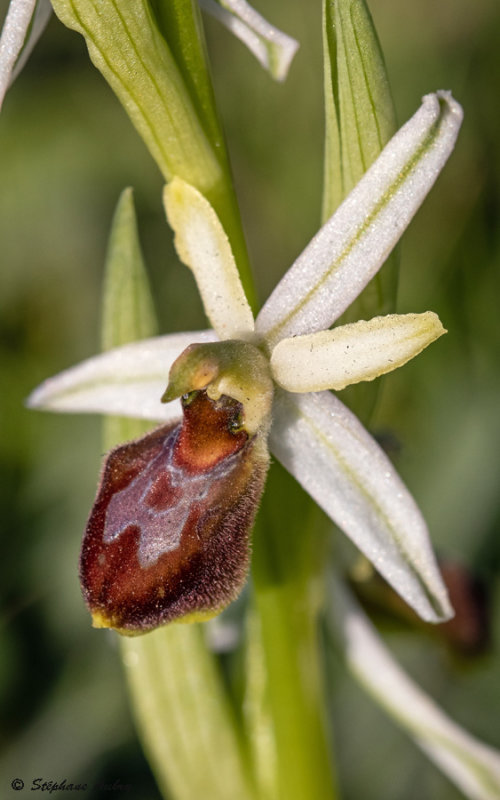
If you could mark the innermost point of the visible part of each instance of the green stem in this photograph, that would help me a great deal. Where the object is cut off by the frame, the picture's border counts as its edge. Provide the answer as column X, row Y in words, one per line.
column 288, row 549
column 181, row 24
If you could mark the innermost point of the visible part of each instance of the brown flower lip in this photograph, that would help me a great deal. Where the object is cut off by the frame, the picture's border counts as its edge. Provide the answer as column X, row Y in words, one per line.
column 168, row 536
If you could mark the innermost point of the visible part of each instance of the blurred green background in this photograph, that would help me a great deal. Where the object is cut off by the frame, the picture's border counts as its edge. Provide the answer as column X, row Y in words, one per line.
column 66, row 151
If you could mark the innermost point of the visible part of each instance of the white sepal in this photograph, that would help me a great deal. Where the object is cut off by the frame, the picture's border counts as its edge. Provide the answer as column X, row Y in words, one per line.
column 332, row 456
column 41, row 16
column 271, row 47
column 360, row 351
column 14, row 32
column 203, row 246
column 354, row 243
column 127, row 381
column 471, row 765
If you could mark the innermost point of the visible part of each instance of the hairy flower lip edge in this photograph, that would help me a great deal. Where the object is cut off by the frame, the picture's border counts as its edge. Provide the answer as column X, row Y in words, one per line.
column 32, row 403
column 156, row 583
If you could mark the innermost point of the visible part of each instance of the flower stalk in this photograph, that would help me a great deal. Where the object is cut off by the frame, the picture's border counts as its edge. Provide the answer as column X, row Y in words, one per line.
column 288, row 602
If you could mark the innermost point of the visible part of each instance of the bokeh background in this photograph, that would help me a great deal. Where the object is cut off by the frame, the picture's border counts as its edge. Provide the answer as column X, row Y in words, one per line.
column 66, row 152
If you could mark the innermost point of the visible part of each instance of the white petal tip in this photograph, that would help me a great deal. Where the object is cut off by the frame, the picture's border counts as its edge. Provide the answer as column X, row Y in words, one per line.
column 282, row 58
column 446, row 96
column 440, row 611
column 272, row 48
column 36, row 400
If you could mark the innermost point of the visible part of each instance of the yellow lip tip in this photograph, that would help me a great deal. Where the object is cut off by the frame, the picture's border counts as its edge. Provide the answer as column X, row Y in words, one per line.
column 100, row 620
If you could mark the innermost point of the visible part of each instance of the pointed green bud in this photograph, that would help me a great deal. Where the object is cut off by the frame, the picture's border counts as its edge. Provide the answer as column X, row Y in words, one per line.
column 360, row 117
column 127, row 305
column 128, row 311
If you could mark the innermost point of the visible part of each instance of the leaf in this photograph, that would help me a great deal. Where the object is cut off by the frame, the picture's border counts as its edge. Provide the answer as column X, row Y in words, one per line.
column 126, row 45
column 360, row 116
column 128, row 312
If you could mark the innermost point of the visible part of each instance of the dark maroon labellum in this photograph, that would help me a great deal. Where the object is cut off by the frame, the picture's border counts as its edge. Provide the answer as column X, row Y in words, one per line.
column 168, row 536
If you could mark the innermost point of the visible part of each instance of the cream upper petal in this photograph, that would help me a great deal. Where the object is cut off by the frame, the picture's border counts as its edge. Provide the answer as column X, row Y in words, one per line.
column 203, row 246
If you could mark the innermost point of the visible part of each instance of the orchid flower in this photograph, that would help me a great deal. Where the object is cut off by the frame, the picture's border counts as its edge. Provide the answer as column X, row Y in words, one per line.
column 26, row 20
column 272, row 377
